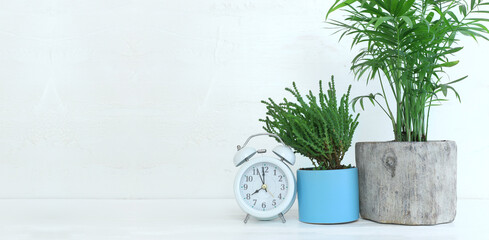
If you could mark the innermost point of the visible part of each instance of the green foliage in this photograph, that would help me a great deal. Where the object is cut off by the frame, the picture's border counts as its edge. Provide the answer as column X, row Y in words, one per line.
column 315, row 127
column 408, row 44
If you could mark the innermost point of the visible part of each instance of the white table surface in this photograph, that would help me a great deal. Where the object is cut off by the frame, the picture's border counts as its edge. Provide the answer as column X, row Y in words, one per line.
column 206, row 219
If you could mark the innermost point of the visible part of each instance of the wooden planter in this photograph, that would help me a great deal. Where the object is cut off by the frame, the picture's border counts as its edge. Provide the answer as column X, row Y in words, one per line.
column 412, row 183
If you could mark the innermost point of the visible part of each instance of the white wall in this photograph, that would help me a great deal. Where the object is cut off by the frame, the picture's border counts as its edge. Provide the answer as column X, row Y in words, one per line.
column 143, row 99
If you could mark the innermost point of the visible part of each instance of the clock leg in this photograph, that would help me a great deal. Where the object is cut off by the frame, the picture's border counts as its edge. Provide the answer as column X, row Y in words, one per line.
column 246, row 218
column 281, row 215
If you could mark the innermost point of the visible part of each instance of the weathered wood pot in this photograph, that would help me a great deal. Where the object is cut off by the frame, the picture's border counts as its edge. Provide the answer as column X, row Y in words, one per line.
column 412, row 183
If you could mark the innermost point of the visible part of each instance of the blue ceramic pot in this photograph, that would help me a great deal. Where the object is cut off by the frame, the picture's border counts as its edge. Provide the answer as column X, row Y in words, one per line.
column 328, row 196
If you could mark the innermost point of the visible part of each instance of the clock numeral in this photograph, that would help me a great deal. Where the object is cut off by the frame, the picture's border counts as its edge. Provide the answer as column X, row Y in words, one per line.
column 280, row 196
column 248, row 196
column 245, row 187
column 263, row 204
column 282, row 187
column 256, row 171
column 254, row 202
column 266, row 169
column 280, row 178
column 274, row 202
column 249, row 178
column 275, row 172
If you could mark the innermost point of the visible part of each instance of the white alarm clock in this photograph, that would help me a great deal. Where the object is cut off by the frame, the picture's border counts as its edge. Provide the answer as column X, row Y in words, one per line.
column 264, row 186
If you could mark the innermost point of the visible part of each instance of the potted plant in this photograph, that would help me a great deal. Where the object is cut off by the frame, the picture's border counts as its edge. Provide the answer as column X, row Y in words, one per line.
column 320, row 128
column 407, row 45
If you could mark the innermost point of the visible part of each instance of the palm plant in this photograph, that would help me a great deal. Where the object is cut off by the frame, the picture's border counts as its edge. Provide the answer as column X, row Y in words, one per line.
column 320, row 128
column 408, row 44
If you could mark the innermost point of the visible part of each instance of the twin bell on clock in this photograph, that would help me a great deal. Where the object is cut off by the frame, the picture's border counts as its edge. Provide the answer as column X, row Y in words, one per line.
column 264, row 186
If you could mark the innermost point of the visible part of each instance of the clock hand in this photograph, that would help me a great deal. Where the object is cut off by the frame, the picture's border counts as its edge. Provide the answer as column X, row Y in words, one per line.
column 270, row 194
column 266, row 190
column 262, row 180
column 264, row 185
column 256, row 191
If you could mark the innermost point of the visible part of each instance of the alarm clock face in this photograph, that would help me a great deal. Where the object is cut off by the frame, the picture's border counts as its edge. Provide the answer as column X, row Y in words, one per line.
column 265, row 187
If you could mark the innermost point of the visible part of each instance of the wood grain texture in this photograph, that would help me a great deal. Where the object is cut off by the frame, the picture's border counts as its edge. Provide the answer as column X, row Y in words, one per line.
column 412, row 183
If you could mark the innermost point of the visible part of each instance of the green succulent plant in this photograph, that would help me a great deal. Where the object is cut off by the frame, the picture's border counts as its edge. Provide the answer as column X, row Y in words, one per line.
column 320, row 128
column 407, row 45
